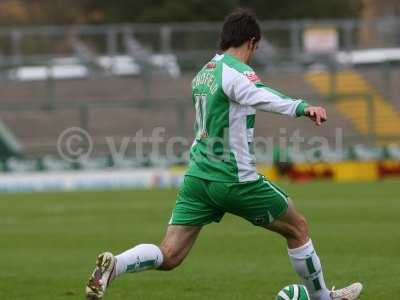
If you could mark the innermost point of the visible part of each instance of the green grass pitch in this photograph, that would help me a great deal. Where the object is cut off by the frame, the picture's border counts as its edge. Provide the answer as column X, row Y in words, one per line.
column 49, row 242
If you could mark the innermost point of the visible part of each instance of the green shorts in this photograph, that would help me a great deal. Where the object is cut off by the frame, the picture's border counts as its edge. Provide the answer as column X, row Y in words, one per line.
column 201, row 201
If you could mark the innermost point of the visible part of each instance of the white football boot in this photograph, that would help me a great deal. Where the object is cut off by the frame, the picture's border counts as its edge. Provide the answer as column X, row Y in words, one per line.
column 101, row 277
column 351, row 292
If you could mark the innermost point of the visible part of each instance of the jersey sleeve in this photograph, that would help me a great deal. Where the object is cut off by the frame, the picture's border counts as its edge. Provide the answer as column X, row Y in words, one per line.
column 246, row 89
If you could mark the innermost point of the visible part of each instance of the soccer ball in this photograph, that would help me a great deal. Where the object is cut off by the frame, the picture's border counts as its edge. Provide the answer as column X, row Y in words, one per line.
column 293, row 292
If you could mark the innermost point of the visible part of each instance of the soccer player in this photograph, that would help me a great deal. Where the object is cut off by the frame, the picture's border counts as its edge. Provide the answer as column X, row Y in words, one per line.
column 221, row 176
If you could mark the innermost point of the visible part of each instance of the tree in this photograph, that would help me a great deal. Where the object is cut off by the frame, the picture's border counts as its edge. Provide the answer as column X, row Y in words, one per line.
column 105, row 11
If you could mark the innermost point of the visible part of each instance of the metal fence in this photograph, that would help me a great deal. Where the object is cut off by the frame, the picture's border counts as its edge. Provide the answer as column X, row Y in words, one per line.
column 98, row 48
column 190, row 42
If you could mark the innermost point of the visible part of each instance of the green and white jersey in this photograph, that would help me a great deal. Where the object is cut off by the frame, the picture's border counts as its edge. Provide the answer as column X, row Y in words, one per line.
column 226, row 94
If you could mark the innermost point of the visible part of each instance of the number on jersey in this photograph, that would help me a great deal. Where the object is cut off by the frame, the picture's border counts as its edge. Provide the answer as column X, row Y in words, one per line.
column 201, row 112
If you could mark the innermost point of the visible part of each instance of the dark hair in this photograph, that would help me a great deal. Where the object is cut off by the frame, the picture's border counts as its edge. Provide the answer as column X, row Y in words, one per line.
column 239, row 27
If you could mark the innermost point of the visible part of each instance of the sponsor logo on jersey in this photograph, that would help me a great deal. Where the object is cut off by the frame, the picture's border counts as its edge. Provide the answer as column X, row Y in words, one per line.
column 252, row 76
column 211, row 65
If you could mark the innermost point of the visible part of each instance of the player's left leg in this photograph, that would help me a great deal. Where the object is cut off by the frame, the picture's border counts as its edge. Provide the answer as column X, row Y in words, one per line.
column 174, row 248
column 193, row 209
column 176, row 245
column 172, row 251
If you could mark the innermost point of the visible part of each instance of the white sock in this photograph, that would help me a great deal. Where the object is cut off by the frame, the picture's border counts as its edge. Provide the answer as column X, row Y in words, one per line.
column 306, row 263
column 140, row 258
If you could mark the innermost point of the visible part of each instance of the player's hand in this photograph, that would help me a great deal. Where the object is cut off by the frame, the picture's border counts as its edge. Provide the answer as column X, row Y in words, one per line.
column 316, row 114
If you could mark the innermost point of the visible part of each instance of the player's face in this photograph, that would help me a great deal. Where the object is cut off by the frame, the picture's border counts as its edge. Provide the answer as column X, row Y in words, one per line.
column 252, row 47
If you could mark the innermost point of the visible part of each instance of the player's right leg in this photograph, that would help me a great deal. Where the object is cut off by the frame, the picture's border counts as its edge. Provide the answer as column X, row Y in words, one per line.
column 266, row 205
column 176, row 245
column 293, row 226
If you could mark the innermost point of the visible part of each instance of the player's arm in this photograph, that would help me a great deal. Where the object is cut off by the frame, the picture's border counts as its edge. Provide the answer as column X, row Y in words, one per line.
column 249, row 90
column 316, row 113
